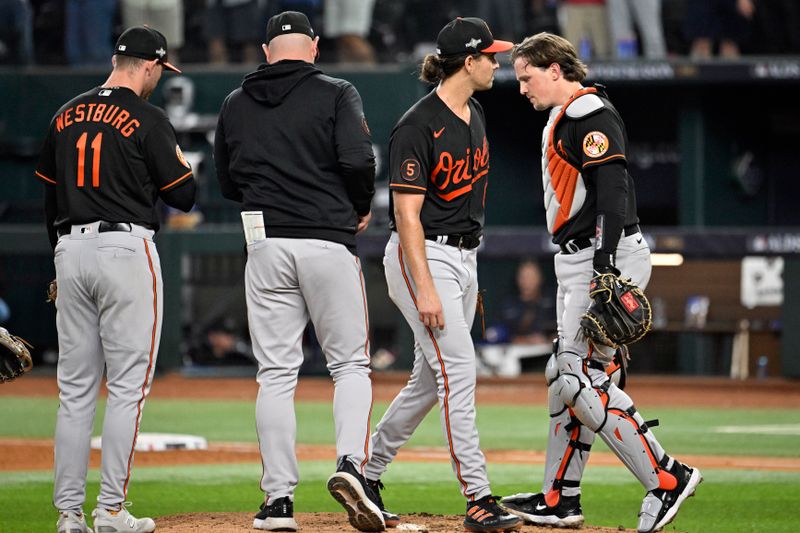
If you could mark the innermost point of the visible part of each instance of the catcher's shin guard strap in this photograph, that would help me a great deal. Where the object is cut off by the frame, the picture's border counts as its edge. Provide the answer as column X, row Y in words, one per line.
column 626, row 433
column 568, row 449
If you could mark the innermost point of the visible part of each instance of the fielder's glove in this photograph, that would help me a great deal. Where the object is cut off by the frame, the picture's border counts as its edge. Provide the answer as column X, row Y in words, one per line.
column 52, row 292
column 15, row 358
column 619, row 312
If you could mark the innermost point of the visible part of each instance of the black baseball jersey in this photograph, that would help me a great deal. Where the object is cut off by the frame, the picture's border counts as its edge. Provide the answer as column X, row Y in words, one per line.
column 581, row 142
column 109, row 153
column 435, row 153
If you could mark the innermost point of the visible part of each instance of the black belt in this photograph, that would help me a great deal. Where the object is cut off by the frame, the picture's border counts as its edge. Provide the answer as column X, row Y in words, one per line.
column 466, row 242
column 102, row 228
column 574, row 246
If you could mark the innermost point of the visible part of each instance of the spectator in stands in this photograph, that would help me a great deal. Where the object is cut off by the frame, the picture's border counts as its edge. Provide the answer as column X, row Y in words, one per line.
column 349, row 22
column 164, row 15
column 528, row 316
column 16, row 32
column 585, row 25
column 647, row 16
column 726, row 23
column 233, row 24
column 88, row 31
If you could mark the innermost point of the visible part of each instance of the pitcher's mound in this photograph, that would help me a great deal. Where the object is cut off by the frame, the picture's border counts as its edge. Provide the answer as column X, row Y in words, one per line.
column 325, row 523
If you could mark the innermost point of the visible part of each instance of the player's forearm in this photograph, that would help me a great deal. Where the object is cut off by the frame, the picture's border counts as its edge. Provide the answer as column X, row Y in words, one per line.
column 412, row 240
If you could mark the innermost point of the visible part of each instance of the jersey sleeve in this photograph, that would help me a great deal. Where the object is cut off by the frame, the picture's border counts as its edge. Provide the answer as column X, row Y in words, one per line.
column 409, row 159
column 165, row 161
column 46, row 166
column 600, row 139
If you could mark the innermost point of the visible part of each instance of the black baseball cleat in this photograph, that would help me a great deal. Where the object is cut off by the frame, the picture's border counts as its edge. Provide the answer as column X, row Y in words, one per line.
column 350, row 489
column 660, row 506
column 534, row 510
column 486, row 516
column 279, row 516
column 390, row 519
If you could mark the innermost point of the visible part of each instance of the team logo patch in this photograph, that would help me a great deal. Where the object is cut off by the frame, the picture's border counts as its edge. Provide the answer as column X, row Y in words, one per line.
column 181, row 157
column 409, row 169
column 595, row 144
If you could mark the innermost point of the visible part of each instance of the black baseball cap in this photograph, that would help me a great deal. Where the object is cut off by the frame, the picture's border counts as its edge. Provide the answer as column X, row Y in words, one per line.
column 468, row 35
column 145, row 43
column 288, row 22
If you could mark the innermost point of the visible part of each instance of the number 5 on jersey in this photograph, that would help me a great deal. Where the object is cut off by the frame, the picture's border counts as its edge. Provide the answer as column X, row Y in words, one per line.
column 95, row 146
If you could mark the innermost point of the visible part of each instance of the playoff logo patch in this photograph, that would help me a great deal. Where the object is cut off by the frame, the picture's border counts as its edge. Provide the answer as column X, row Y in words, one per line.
column 595, row 144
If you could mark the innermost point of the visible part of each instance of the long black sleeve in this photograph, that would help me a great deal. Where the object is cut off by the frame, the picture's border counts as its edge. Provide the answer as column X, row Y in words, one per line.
column 612, row 195
column 222, row 160
column 354, row 150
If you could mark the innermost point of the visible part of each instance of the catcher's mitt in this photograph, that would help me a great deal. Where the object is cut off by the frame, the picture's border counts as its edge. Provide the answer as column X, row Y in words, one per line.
column 619, row 313
column 15, row 358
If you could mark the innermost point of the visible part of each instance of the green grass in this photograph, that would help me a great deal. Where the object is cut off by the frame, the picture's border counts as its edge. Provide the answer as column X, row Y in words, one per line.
column 726, row 501
column 729, row 501
column 682, row 431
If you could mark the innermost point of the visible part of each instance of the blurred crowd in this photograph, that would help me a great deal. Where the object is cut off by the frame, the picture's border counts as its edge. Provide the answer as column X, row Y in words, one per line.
column 81, row 32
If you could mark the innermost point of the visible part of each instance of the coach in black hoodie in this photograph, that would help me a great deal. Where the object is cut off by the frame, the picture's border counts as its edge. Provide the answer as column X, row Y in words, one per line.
column 292, row 145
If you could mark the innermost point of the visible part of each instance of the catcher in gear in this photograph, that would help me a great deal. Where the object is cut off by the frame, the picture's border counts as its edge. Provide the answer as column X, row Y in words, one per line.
column 590, row 205
column 15, row 356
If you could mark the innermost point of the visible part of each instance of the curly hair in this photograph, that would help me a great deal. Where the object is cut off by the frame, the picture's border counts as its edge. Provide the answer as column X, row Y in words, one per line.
column 437, row 68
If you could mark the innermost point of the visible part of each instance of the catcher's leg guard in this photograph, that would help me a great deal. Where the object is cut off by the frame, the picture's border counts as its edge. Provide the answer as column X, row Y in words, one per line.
column 568, row 441
column 604, row 408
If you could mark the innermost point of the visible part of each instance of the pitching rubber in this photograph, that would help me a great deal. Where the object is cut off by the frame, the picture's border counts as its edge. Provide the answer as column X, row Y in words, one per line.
column 362, row 513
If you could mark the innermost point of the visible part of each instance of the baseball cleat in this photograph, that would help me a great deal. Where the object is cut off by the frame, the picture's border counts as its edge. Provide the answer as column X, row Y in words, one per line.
column 72, row 522
column 660, row 506
column 534, row 510
column 120, row 521
column 485, row 516
column 389, row 518
column 350, row 489
column 279, row 516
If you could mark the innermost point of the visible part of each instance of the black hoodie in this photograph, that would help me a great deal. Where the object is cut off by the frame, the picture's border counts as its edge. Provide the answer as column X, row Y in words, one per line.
column 294, row 143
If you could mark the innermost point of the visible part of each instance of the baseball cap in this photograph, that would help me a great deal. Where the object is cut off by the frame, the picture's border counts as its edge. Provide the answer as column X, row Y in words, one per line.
column 288, row 22
column 145, row 43
column 468, row 35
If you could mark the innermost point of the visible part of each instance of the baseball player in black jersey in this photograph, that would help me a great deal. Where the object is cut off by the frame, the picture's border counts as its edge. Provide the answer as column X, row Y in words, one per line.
column 108, row 156
column 591, row 212
column 292, row 146
column 439, row 174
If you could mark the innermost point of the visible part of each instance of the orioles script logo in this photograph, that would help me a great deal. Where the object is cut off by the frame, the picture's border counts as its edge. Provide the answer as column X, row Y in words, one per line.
column 454, row 177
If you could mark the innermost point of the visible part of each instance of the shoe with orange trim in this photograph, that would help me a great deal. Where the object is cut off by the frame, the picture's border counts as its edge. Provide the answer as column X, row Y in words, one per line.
column 660, row 505
column 72, row 522
column 486, row 516
column 534, row 510
column 120, row 521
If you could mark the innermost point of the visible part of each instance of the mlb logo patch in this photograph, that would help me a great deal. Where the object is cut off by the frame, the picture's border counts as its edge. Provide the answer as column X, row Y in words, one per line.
column 286, row 27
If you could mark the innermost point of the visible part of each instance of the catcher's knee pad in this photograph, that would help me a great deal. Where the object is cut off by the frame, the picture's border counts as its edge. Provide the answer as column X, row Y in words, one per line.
column 574, row 388
column 630, row 438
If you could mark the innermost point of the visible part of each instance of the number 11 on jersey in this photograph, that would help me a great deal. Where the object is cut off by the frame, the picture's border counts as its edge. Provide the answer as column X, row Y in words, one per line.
column 95, row 146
